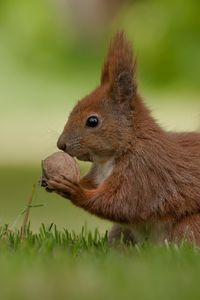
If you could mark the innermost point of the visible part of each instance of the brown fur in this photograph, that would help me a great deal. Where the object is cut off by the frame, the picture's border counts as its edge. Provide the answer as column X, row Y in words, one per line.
column 142, row 176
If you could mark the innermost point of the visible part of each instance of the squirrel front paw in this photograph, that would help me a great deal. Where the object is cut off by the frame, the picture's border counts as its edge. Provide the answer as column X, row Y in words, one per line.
column 66, row 188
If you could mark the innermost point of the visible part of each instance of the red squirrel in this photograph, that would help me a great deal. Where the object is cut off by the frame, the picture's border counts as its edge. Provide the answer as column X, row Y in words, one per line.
column 144, row 179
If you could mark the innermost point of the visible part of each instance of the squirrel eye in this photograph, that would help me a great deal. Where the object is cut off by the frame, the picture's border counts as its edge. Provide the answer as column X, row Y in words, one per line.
column 92, row 121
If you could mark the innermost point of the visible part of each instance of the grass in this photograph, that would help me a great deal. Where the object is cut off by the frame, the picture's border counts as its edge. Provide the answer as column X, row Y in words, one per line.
column 16, row 188
column 53, row 264
column 59, row 264
column 49, row 262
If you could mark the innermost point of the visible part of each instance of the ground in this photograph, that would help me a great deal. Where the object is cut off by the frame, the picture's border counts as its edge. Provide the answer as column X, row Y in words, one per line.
column 61, row 265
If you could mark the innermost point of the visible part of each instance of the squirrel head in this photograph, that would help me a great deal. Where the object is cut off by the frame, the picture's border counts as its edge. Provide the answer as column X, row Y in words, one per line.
column 100, row 123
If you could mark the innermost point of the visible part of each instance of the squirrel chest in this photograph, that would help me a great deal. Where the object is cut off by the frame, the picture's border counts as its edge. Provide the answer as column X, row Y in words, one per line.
column 103, row 170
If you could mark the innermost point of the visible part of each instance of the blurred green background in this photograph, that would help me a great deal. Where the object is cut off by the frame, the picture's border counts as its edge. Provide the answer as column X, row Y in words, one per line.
column 51, row 53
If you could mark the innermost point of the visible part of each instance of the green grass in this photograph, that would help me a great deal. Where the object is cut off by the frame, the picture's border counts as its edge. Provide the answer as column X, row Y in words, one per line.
column 16, row 188
column 53, row 264
column 49, row 262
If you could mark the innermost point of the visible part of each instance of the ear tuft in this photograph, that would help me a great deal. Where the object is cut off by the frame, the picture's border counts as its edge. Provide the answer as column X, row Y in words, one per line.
column 119, row 67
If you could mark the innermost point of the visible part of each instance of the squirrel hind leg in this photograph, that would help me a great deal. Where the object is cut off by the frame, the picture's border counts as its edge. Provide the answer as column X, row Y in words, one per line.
column 121, row 235
column 187, row 230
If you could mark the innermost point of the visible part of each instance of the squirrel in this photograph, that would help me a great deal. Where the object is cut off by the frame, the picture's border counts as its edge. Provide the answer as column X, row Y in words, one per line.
column 144, row 179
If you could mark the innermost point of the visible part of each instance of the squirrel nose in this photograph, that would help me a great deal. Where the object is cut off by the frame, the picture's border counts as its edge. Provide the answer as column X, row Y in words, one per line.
column 61, row 144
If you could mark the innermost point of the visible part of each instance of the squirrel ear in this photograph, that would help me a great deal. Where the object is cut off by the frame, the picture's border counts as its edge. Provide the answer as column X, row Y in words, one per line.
column 123, row 88
column 119, row 68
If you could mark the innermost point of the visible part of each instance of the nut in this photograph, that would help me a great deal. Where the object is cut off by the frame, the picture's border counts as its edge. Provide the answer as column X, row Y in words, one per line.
column 59, row 164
